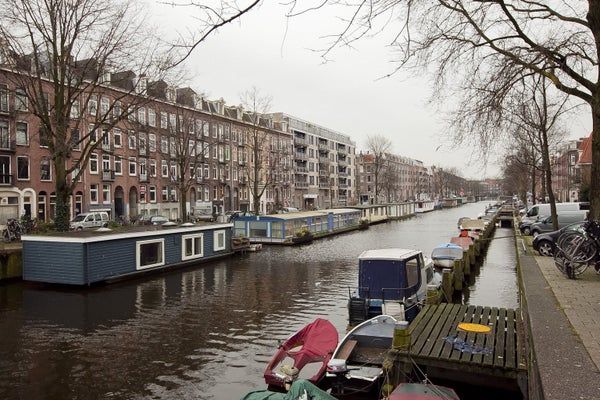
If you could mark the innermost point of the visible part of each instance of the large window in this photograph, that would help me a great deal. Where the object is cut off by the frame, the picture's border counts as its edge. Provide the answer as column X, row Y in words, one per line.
column 150, row 253
column 192, row 246
column 94, row 193
column 23, row 168
column 219, row 240
column 93, row 163
column 22, row 136
column 21, row 103
column 117, row 137
column 45, row 170
column 413, row 272
column 4, row 98
column 132, row 167
column 4, row 135
column 118, row 166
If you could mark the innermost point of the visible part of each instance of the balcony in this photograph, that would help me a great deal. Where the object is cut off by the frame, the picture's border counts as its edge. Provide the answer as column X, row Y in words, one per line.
column 6, row 179
column 342, row 174
column 7, row 145
column 301, row 185
column 241, row 162
column 301, row 170
column 342, row 150
column 343, row 185
column 300, row 156
column 342, row 198
column 108, row 176
column 302, row 141
column 142, row 151
column 144, row 178
column 323, row 146
column 324, row 160
column 342, row 162
column 324, row 172
column 106, row 146
column 324, row 185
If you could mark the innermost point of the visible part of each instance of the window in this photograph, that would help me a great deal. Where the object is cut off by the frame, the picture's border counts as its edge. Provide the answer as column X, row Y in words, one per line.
column 152, row 142
column 75, row 172
column 4, row 98
column 205, row 129
column 74, row 112
column 94, row 193
column 105, row 162
column 118, row 166
column 21, row 103
column 75, row 139
column 132, row 167
column 142, row 115
column 22, row 136
column 106, row 193
column 214, row 130
column 4, row 135
column 93, row 163
column 172, row 122
column 142, row 143
column 412, row 272
column 219, row 240
column 164, row 169
column 152, row 192
column 165, row 196
column 152, row 168
column 192, row 246
column 23, row 168
column 132, row 140
column 117, row 109
column 163, row 120
column 45, row 170
column 92, row 133
column 104, row 105
column 164, row 144
column 93, row 105
column 151, row 117
column 117, row 137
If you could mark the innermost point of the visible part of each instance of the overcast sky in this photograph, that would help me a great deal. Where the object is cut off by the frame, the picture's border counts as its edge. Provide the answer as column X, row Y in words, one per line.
column 346, row 94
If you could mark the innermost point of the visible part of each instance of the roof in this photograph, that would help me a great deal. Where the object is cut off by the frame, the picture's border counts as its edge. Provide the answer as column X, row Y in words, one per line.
column 387, row 254
column 586, row 151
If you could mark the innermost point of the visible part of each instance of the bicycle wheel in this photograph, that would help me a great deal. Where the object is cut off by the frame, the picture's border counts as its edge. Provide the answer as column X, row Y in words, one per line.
column 578, row 247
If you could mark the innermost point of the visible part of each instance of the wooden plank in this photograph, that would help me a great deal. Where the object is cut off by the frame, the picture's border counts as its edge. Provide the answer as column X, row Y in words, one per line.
column 499, row 356
column 424, row 336
column 346, row 350
column 447, row 348
column 415, row 322
column 471, row 336
column 481, row 338
column 490, row 341
column 433, row 348
column 510, row 345
column 462, row 335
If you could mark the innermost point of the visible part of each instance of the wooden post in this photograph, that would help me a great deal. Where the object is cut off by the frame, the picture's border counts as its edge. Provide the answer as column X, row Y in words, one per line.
column 467, row 259
column 433, row 295
column 447, row 288
column 458, row 274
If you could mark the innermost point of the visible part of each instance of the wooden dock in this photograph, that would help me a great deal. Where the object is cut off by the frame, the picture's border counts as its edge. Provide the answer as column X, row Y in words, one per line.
column 442, row 351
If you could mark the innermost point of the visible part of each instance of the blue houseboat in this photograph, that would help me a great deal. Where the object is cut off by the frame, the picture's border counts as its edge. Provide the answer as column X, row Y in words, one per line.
column 286, row 228
column 83, row 258
column 392, row 282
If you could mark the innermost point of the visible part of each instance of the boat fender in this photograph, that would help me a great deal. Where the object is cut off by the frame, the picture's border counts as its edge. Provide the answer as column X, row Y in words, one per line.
column 291, row 374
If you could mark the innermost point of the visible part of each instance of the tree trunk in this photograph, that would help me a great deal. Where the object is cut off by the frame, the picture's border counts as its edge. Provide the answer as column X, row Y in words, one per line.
column 533, row 183
column 61, row 211
column 183, row 215
column 548, row 176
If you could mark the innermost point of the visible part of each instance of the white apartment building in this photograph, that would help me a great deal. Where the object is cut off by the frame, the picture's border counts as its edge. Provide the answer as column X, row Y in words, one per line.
column 324, row 164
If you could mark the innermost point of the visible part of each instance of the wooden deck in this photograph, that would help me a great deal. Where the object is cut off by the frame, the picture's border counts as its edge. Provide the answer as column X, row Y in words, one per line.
column 494, row 359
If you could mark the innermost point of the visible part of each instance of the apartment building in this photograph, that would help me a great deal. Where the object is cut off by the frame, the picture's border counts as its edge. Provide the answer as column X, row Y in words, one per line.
column 566, row 176
column 136, row 165
column 324, row 164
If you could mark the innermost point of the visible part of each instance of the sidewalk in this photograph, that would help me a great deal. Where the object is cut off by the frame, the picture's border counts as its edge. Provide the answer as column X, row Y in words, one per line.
column 580, row 301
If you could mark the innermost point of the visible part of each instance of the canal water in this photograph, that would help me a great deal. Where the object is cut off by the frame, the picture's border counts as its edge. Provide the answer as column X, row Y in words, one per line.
column 205, row 332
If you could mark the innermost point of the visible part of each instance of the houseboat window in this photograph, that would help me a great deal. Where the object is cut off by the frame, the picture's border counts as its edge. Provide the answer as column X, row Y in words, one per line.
column 150, row 253
column 219, row 240
column 192, row 246
column 412, row 272
column 258, row 229
column 240, row 228
column 277, row 230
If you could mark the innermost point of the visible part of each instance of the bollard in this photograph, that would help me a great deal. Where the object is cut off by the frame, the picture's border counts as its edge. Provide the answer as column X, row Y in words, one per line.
column 447, row 288
column 458, row 274
column 401, row 339
column 433, row 295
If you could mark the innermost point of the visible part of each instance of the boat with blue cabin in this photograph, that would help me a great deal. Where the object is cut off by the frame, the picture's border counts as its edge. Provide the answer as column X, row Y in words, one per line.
column 392, row 282
column 91, row 256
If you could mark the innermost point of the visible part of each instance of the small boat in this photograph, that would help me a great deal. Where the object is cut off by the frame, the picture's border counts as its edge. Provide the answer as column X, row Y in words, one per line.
column 300, row 389
column 357, row 361
column 420, row 391
column 445, row 254
column 314, row 344
column 392, row 282
column 255, row 247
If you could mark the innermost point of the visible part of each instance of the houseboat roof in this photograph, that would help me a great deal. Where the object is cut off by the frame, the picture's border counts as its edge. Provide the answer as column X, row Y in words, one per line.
column 302, row 214
column 387, row 254
column 93, row 235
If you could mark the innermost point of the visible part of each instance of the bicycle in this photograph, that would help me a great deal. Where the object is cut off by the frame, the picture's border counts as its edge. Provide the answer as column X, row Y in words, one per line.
column 576, row 250
column 13, row 230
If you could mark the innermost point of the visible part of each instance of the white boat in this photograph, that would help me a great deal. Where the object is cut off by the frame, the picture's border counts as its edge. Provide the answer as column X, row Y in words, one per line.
column 445, row 254
column 356, row 364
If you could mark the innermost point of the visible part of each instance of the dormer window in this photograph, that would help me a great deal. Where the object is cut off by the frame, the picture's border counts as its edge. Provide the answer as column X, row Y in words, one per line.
column 170, row 94
column 142, row 85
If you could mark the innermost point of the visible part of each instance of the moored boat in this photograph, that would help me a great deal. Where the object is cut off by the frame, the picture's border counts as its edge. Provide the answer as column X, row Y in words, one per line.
column 313, row 344
column 420, row 391
column 356, row 365
column 390, row 281
column 445, row 254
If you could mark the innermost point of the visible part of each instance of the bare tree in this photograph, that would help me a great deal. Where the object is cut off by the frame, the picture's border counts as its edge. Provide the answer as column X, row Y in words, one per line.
column 379, row 146
column 58, row 53
column 493, row 42
column 390, row 180
column 257, row 138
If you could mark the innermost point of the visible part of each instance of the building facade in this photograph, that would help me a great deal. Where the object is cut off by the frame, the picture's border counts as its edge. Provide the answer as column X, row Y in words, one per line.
column 324, row 164
column 566, row 176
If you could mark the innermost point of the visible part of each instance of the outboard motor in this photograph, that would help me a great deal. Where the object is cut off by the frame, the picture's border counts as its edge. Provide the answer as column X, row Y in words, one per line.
column 338, row 368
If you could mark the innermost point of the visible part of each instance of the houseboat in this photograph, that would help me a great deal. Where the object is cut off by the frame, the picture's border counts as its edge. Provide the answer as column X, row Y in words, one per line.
column 424, row 206
column 392, row 282
column 400, row 210
column 87, row 257
column 374, row 213
column 294, row 227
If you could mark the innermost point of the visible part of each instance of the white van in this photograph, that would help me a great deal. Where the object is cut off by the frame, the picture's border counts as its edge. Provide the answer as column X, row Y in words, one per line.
column 97, row 219
column 539, row 210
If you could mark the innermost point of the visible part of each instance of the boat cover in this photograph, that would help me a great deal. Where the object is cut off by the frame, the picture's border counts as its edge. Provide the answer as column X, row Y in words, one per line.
column 463, row 242
column 318, row 340
column 419, row 391
column 447, row 251
column 300, row 390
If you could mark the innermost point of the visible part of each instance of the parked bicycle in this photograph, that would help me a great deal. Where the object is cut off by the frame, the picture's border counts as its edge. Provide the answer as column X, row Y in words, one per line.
column 13, row 230
column 577, row 250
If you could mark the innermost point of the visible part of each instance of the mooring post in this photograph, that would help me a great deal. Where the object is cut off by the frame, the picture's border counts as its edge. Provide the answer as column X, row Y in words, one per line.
column 433, row 295
column 447, row 288
column 458, row 274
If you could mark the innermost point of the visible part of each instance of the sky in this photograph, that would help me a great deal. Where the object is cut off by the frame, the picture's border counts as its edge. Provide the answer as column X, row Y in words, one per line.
column 349, row 93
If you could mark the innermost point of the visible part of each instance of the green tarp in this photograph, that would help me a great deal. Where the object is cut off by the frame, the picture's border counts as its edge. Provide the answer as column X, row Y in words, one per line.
column 300, row 390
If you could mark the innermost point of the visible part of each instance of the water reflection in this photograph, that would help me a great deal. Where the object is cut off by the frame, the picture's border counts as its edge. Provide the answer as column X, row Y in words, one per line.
column 207, row 332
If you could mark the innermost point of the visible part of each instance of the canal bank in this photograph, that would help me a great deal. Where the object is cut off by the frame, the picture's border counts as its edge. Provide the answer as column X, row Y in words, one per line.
column 206, row 332
column 562, row 329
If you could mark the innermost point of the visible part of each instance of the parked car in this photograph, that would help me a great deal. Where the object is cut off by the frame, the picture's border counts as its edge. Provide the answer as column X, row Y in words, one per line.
column 564, row 218
column 545, row 243
column 525, row 225
column 544, row 209
column 158, row 220
column 286, row 210
column 90, row 220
